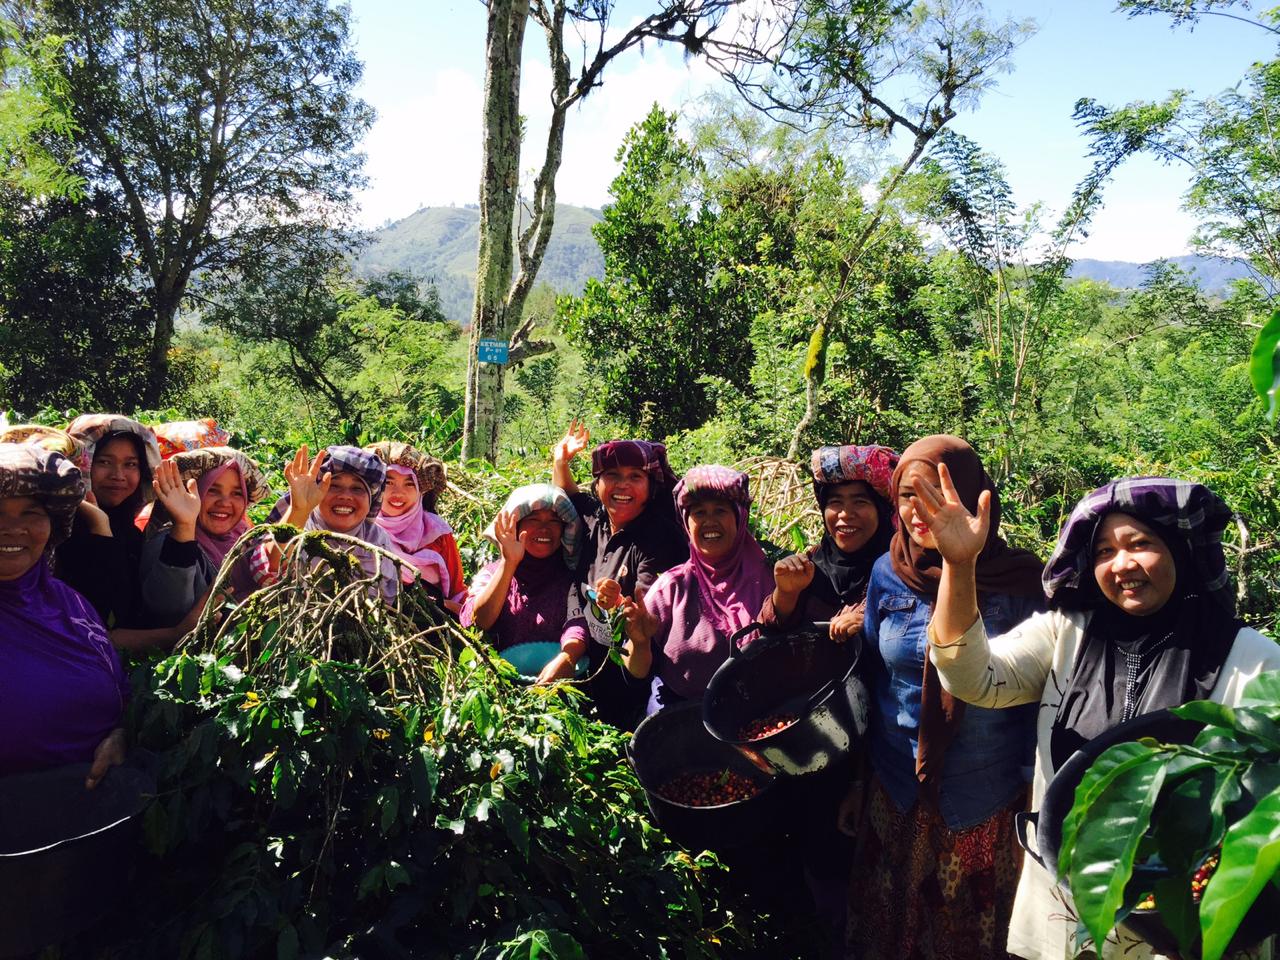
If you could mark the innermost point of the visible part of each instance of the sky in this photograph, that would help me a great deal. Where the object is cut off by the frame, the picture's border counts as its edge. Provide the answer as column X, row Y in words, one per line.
column 424, row 74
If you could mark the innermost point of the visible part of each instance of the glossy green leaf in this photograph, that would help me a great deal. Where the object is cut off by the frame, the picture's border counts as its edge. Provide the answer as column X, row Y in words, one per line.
column 1107, row 839
column 1207, row 712
column 1263, row 690
column 1264, row 365
column 1104, row 770
column 1250, row 858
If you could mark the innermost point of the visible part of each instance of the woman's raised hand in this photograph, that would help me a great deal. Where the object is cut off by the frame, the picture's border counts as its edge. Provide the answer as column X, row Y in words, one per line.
column 572, row 443
column 180, row 499
column 792, row 574
column 306, row 486
column 959, row 534
column 506, row 532
column 92, row 514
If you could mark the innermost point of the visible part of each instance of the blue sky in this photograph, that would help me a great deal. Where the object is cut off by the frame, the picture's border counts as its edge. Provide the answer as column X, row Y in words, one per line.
column 424, row 75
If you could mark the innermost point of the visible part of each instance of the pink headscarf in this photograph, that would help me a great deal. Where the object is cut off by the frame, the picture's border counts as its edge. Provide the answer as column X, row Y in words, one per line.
column 413, row 530
column 732, row 589
column 217, row 546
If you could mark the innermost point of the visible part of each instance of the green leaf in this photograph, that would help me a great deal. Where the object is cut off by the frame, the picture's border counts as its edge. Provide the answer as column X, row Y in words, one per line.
column 388, row 807
column 1107, row 839
column 1264, row 365
column 1106, row 768
column 1250, row 858
column 1264, row 689
column 1207, row 712
column 287, row 943
column 396, row 876
column 370, row 882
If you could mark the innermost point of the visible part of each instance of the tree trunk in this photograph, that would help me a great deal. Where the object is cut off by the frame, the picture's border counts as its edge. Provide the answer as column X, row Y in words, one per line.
column 166, row 309
column 500, row 165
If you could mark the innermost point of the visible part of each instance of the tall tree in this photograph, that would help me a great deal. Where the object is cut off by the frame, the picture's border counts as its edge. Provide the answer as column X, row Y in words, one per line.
column 35, row 127
column 878, row 68
column 499, row 300
column 226, row 127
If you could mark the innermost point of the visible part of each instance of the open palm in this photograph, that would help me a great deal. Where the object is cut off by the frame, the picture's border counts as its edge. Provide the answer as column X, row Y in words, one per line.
column 959, row 534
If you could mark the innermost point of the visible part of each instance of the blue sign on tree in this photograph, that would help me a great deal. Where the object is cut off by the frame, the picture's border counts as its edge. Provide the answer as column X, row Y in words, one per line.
column 492, row 351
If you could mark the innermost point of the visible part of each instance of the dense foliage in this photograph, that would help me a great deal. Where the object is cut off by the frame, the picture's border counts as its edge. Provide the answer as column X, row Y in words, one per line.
column 341, row 779
column 1146, row 803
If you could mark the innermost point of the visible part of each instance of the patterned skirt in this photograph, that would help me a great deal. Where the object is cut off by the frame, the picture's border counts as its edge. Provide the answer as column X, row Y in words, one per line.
column 921, row 891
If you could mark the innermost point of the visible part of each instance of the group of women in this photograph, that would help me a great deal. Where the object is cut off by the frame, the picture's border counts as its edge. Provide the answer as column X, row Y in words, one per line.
column 989, row 667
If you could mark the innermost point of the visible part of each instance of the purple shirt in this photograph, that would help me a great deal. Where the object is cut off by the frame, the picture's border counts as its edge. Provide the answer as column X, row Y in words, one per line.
column 62, row 689
column 536, row 606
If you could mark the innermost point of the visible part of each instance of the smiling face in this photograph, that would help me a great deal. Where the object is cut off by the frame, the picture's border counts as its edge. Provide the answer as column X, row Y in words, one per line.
column 850, row 515
column 624, row 491
column 346, row 504
column 713, row 527
column 1132, row 565
column 400, row 495
column 540, row 532
column 24, row 533
column 912, row 524
column 116, row 471
column 222, row 506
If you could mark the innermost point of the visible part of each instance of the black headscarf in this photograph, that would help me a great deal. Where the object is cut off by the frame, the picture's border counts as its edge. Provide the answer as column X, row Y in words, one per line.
column 848, row 573
column 1127, row 666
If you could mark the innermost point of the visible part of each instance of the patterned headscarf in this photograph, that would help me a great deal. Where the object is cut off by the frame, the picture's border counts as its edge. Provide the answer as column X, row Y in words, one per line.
column 181, row 435
column 367, row 467
column 95, row 429
column 428, row 471
column 205, row 465
column 732, row 589
column 543, row 496
column 872, row 464
column 50, row 438
column 27, row 470
column 1189, row 509
column 1167, row 657
column 640, row 454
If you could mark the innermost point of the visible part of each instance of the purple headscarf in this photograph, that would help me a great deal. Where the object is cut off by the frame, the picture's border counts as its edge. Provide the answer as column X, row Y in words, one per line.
column 412, row 530
column 732, row 589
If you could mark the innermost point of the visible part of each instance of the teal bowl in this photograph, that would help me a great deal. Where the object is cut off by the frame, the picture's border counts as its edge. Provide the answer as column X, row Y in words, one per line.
column 530, row 658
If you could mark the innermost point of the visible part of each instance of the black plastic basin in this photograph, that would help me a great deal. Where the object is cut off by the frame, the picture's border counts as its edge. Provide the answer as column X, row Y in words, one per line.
column 803, row 673
column 673, row 742
column 66, row 853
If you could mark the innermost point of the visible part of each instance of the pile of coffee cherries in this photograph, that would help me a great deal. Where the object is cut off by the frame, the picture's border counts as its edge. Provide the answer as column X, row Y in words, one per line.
column 767, row 726
column 709, row 789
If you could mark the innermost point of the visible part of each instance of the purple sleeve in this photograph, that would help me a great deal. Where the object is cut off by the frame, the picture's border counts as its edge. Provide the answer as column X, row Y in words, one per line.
column 467, row 616
column 574, row 630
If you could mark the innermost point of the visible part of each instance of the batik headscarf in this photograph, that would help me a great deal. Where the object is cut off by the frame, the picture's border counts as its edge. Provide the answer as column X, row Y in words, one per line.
column 544, row 496
column 420, row 525
column 185, row 435
column 49, row 438
column 427, row 471
column 205, row 465
column 27, row 470
column 873, row 465
column 732, row 589
column 1171, row 656
column 1000, row 569
column 98, row 429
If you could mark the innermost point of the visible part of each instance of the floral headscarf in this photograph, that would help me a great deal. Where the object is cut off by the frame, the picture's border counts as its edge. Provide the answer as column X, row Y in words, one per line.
column 28, row 470
column 872, row 464
column 92, row 429
column 185, row 435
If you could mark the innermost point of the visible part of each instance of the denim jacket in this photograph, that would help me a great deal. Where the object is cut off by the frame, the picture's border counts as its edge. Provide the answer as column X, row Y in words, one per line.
column 989, row 761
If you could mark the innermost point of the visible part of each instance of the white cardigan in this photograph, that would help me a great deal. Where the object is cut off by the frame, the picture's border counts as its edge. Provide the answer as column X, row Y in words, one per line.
column 1032, row 662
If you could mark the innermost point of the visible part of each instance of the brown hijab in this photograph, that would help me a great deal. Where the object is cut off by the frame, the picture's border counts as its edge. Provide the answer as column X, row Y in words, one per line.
column 1000, row 569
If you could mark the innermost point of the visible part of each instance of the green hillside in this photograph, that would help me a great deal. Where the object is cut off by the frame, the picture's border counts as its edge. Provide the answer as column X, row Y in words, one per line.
column 439, row 243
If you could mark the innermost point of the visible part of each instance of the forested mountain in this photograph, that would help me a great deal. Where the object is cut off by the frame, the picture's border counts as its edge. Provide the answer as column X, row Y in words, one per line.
column 439, row 243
